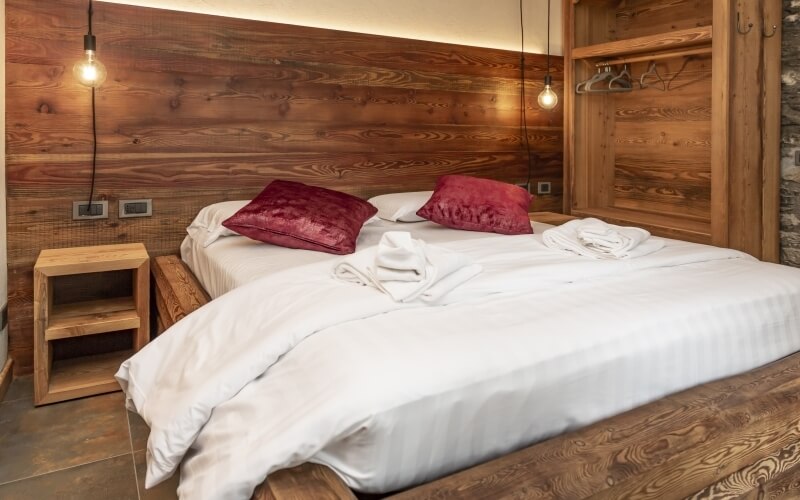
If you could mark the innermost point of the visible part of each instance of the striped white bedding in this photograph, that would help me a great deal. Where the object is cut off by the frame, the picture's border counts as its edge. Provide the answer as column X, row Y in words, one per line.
column 397, row 398
column 232, row 261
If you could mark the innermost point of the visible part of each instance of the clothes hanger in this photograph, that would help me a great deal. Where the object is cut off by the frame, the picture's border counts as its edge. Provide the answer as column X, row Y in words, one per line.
column 602, row 76
column 580, row 88
column 623, row 82
column 652, row 72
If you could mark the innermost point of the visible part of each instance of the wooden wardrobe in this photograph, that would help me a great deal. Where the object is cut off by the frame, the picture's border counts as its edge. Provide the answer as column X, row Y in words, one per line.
column 695, row 155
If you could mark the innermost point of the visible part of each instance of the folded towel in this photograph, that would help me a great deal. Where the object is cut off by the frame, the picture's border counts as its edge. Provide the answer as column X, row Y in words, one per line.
column 616, row 240
column 444, row 270
column 400, row 258
column 598, row 240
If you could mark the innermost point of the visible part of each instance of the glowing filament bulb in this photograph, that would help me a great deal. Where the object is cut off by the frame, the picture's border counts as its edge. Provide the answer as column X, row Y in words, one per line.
column 548, row 99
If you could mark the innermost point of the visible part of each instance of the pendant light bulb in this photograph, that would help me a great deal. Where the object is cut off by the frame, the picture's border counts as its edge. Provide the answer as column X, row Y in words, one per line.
column 89, row 71
column 548, row 99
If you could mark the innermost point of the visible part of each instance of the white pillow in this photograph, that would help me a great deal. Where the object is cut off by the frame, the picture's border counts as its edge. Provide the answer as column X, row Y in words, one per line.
column 207, row 227
column 401, row 207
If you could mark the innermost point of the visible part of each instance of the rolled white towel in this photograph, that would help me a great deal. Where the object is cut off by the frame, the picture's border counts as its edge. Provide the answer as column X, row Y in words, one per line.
column 600, row 240
column 444, row 271
column 619, row 241
column 400, row 258
column 356, row 268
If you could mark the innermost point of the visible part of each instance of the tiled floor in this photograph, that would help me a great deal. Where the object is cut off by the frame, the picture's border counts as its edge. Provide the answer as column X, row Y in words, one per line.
column 89, row 448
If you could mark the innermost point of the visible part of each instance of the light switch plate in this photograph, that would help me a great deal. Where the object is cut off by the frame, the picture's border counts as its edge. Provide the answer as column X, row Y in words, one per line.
column 543, row 188
column 79, row 210
column 135, row 208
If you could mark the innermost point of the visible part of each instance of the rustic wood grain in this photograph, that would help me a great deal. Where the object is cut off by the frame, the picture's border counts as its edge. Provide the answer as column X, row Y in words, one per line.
column 640, row 18
column 771, row 134
column 752, row 478
column 199, row 109
column 304, row 482
column 179, row 293
column 646, row 43
column 6, row 375
column 704, row 149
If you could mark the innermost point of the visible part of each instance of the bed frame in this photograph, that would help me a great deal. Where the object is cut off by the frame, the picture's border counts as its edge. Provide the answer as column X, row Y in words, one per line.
column 734, row 438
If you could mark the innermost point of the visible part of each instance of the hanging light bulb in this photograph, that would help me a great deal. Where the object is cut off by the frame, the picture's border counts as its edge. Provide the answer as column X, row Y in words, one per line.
column 89, row 71
column 548, row 99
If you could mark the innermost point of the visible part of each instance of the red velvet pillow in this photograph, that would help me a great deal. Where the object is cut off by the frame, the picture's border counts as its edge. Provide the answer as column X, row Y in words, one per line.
column 294, row 215
column 474, row 204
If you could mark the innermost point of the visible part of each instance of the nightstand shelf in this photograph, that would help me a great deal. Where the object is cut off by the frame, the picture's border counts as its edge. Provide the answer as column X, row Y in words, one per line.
column 61, row 379
column 92, row 317
column 85, row 375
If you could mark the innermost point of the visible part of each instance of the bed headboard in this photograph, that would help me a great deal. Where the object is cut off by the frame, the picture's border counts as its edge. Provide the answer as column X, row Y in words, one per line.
column 198, row 109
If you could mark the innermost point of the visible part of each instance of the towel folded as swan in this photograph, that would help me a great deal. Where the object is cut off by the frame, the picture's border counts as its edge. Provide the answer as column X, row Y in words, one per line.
column 598, row 240
column 407, row 269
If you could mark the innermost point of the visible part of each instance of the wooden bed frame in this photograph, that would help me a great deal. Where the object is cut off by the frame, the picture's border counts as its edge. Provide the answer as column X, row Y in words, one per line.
column 734, row 438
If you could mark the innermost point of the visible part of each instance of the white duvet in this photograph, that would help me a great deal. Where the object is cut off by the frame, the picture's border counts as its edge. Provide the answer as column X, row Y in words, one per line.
column 297, row 367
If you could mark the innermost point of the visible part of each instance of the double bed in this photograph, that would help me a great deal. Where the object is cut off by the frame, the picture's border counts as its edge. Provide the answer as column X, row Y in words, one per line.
column 542, row 350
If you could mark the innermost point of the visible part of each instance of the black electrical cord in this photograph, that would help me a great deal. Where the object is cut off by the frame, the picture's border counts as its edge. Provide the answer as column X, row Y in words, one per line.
column 94, row 129
column 548, row 38
column 94, row 152
column 523, row 105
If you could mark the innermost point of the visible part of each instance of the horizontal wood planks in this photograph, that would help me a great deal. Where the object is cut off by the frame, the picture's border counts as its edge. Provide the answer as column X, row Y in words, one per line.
column 662, row 141
column 199, row 109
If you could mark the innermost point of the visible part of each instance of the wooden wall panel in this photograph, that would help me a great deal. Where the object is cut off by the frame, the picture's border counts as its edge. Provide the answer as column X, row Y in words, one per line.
column 662, row 142
column 199, row 109
column 645, row 17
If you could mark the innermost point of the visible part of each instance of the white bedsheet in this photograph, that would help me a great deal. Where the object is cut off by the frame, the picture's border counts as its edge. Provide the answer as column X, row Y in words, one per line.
column 232, row 261
column 402, row 396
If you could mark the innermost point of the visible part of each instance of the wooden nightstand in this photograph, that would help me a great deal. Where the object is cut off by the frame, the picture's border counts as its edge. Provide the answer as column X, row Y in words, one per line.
column 87, row 375
column 550, row 218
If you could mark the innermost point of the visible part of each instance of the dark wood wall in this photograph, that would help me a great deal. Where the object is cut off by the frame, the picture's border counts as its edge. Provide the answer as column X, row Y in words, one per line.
column 199, row 109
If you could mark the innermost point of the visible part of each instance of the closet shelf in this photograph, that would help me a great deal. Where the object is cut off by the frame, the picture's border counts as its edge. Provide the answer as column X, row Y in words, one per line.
column 651, row 43
column 696, row 230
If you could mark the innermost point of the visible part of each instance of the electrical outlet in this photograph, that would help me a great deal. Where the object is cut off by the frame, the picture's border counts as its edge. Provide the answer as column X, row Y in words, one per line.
column 135, row 208
column 543, row 188
column 81, row 210
column 524, row 185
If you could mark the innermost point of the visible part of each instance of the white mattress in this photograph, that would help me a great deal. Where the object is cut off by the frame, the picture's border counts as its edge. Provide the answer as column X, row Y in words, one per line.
column 232, row 261
column 424, row 392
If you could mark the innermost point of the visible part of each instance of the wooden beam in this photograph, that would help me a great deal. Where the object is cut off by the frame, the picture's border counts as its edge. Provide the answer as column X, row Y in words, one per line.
column 304, row 482
column 6, row 376
column 178, row 291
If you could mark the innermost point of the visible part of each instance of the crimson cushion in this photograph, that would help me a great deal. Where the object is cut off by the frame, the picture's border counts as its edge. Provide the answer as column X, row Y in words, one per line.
column 474, row 204
column 294, row 215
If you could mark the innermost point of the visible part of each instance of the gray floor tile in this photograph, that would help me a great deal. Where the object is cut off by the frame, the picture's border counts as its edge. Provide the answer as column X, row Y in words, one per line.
column 107, row 479
column 21, row 388
column 62, row 435
column 139, row 431
column 164, row 491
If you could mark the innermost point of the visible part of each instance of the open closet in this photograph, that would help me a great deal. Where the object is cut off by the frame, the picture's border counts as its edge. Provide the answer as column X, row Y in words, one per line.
column 673, row 122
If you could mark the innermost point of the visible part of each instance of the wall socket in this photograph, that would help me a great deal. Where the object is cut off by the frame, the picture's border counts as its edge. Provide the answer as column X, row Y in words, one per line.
column 135, row 208
column 525, row 186
column 81, row 211
column 543, row 188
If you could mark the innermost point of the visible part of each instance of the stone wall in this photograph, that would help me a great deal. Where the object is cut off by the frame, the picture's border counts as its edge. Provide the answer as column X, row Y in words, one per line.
column 790, row 132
